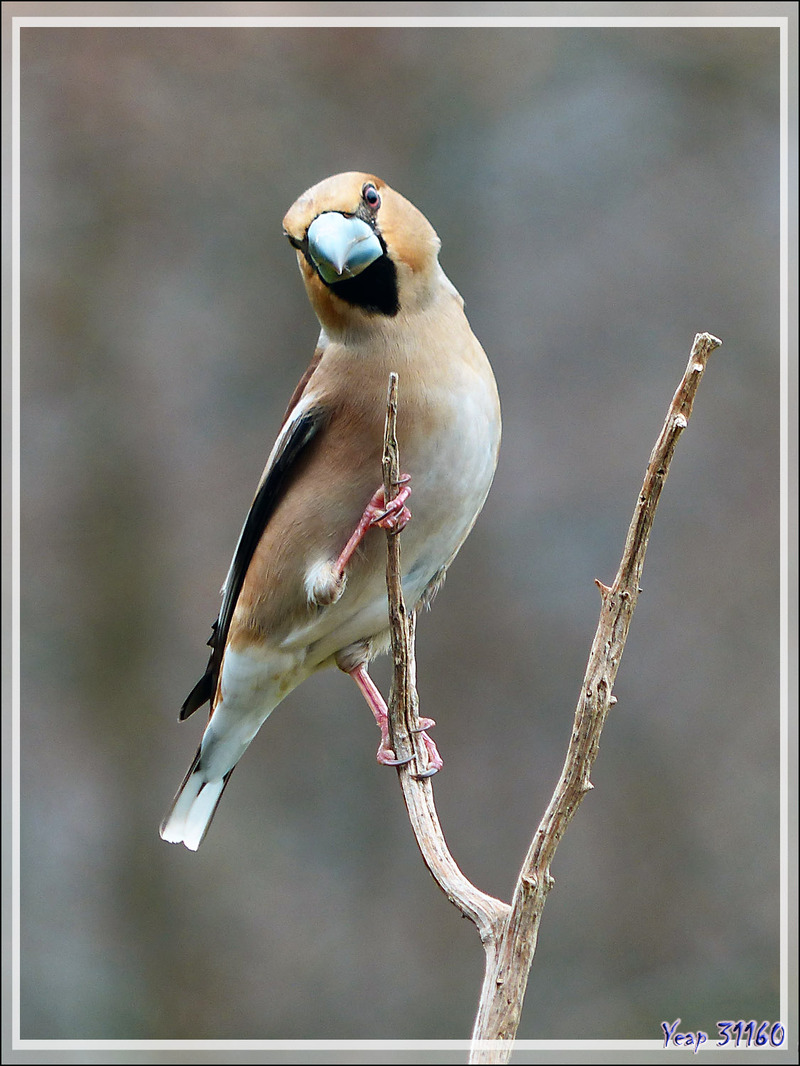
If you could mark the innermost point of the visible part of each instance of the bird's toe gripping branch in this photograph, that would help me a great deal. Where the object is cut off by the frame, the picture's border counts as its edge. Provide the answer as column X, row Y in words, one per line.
column 377, row 705
column 381, row 515
column 435, row 761
column 327, row 581
column 378, row 514
column 393, row 516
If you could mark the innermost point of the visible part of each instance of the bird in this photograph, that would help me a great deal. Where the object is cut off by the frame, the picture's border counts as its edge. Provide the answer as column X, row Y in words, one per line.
column 306, row 588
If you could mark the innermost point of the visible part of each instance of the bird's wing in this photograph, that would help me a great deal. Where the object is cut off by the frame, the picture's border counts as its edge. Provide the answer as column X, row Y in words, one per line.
column 300, row 426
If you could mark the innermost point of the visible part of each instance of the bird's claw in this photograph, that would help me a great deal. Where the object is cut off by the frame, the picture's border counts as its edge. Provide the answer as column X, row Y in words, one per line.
column 423, row 774
column 386, row 757
column 435, row 761
column 395, row 515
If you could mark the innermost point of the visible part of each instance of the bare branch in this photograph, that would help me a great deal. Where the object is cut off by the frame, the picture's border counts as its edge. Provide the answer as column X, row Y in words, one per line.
column 509, row 935
column 485, row 911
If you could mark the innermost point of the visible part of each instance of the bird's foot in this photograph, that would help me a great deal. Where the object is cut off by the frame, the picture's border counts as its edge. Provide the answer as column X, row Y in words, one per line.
column 377, row 514
column 435, row 761
column 394, row 515
column 386, row 755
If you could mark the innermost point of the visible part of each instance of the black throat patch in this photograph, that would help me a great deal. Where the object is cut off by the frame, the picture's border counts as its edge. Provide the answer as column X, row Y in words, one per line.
column 373, row 290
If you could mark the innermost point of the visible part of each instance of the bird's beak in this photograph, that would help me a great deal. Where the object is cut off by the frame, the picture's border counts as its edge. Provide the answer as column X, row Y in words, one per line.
column 341, row 246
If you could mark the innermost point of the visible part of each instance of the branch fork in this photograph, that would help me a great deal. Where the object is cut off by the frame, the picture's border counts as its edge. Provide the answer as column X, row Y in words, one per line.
column 509, row 932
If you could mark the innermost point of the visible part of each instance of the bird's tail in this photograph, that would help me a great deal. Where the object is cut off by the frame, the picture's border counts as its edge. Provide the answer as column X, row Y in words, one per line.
column 195, row 804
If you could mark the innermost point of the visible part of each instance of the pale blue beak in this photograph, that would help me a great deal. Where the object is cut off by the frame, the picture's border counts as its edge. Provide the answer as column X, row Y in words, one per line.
column 341, row 247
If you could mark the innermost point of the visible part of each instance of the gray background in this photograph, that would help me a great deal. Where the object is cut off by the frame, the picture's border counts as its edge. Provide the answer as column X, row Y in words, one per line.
column 601, row 195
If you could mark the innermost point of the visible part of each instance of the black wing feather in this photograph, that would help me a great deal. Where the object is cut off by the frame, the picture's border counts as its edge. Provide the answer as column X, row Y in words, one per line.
column 266, row 500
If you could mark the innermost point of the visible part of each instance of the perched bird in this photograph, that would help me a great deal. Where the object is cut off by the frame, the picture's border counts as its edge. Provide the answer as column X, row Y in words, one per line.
column 306, row 587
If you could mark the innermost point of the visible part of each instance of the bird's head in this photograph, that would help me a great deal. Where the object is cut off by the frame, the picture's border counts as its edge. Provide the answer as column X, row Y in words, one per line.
column 363, row 249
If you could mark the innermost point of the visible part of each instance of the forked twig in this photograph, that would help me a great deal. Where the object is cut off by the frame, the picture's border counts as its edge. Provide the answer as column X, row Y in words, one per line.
column 509, row 934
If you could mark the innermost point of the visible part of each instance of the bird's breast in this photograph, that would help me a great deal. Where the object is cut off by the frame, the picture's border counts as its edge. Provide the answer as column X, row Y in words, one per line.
column 448, row 431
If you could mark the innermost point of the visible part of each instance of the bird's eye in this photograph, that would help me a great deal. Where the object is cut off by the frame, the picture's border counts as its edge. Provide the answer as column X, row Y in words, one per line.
column 371, row 197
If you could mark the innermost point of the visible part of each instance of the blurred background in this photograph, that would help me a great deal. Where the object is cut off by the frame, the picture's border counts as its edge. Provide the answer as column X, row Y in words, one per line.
column 601, row 195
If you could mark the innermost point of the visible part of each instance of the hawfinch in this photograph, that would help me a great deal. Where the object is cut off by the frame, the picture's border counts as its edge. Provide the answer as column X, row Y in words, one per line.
column 307, row 586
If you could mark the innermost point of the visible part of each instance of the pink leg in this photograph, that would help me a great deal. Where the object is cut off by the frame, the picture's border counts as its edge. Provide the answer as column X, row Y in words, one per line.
column 394, row 515
column 377, row 705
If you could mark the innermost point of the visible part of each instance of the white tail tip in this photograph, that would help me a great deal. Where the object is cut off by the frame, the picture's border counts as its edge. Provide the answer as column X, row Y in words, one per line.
column 192, row 810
